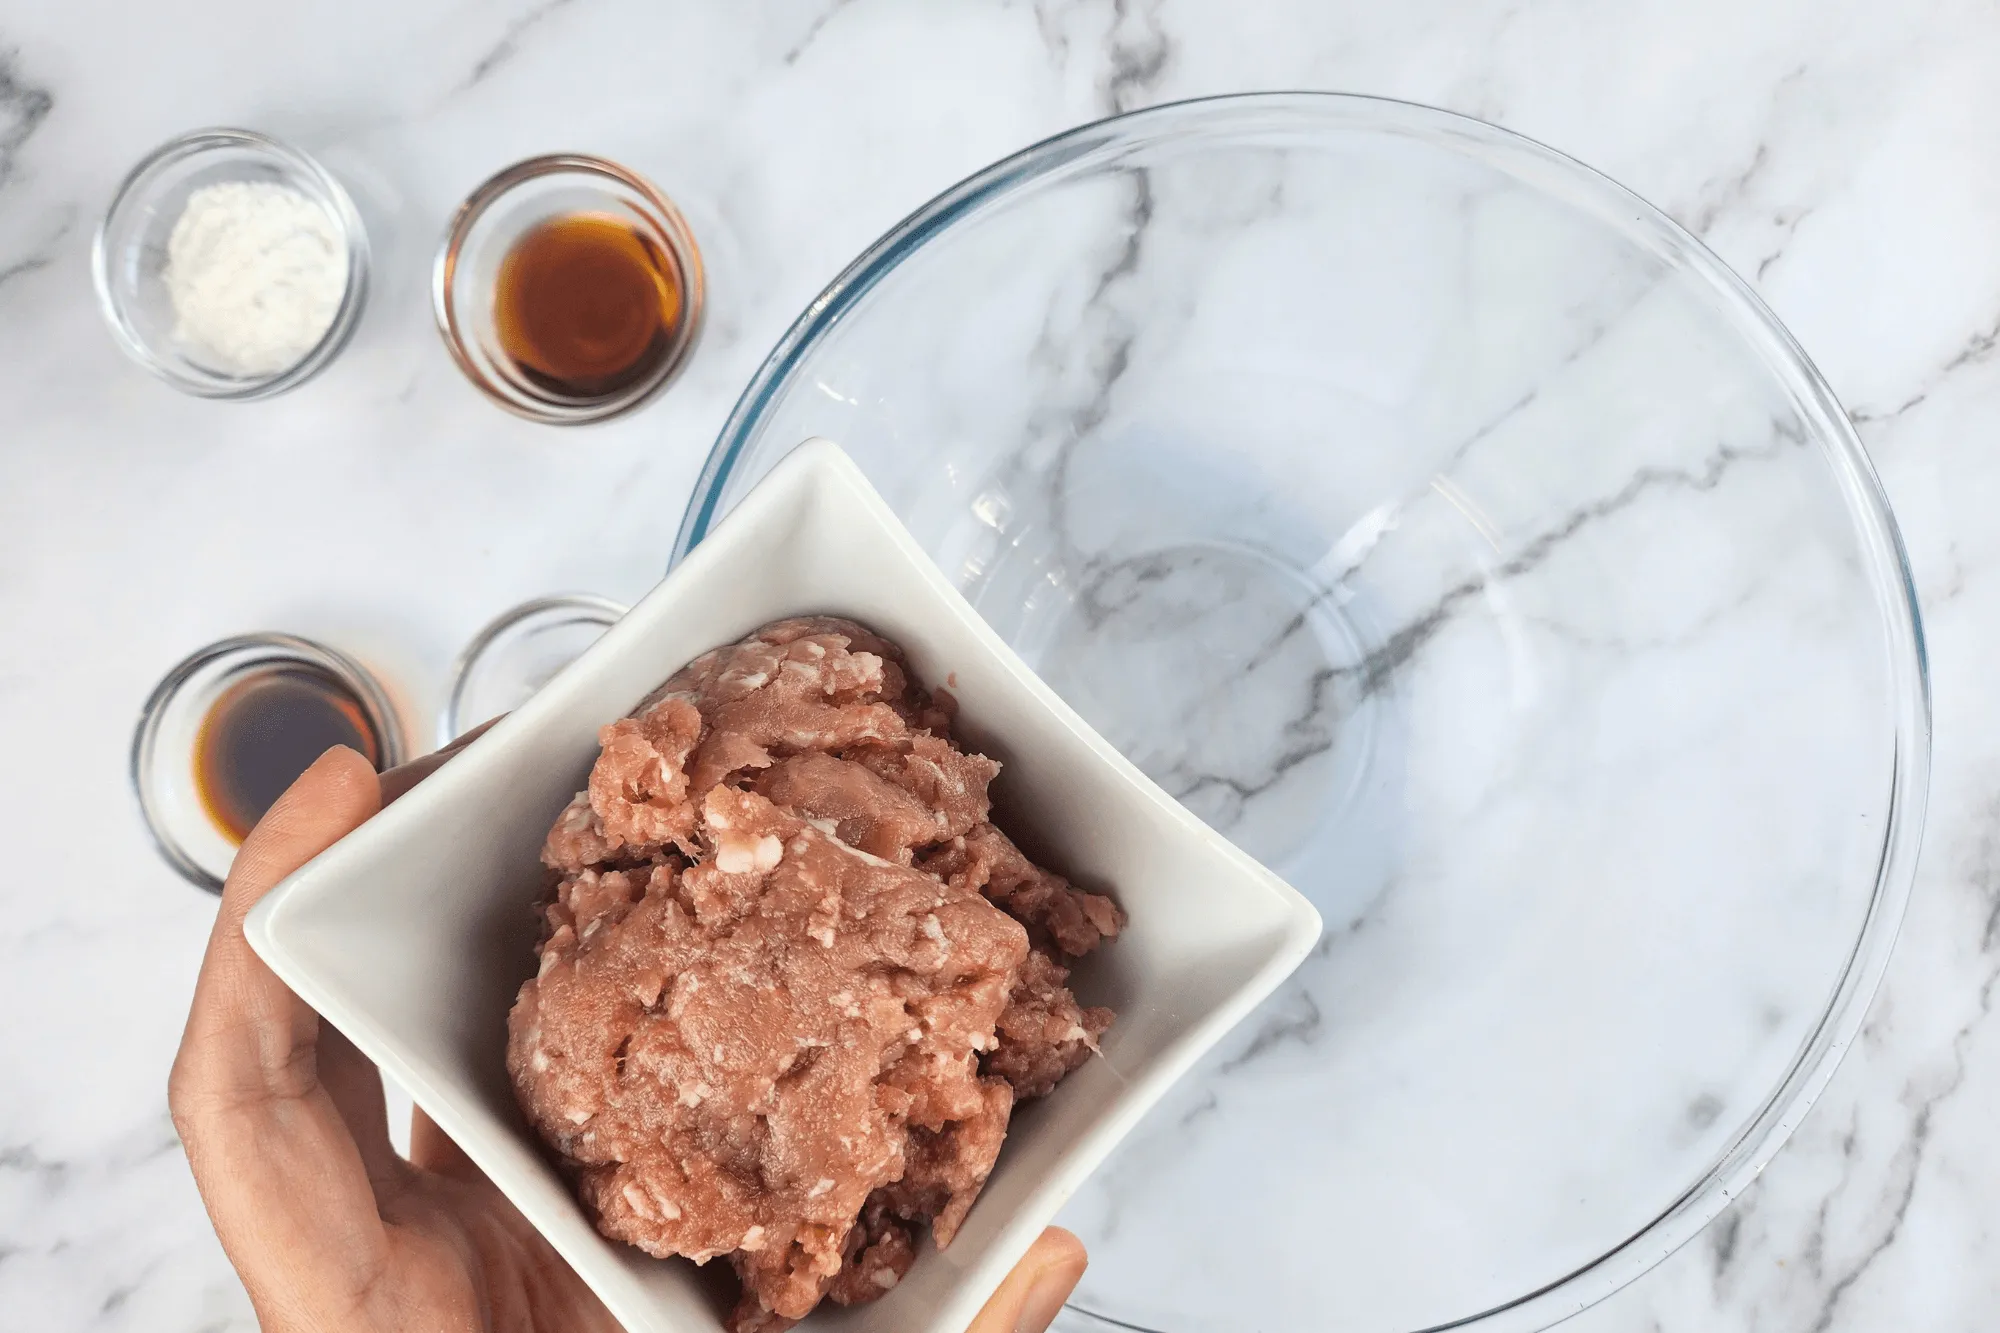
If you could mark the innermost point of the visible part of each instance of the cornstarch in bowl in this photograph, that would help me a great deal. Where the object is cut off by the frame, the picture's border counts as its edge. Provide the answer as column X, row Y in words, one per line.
column 255, row 271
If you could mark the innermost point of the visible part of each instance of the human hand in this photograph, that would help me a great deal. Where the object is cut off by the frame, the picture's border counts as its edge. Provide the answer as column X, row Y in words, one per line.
column 286, row 1131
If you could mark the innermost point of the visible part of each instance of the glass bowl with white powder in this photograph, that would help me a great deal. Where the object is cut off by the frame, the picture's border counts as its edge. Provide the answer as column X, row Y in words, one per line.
column 231, row 265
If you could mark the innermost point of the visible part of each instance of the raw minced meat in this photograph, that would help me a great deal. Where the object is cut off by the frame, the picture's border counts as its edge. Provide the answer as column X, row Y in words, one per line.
column 793, row 980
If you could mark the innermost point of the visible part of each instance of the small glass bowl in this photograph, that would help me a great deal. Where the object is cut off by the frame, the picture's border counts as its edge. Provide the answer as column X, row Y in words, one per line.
column 486, row 228
column 517, row 653
column 163, row 745
column 129, row 256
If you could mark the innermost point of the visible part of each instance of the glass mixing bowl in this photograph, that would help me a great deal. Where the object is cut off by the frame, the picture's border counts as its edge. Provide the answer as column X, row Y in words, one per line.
column 1450, row 529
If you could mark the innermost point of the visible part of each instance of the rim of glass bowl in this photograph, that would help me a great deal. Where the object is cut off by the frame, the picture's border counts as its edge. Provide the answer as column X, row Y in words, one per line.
column 1751, row 319
column 332, row 194
column 264, row 648
column 680, row 240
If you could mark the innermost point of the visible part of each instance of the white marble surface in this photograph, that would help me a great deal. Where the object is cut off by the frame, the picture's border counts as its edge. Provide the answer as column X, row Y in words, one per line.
column 1839, row 155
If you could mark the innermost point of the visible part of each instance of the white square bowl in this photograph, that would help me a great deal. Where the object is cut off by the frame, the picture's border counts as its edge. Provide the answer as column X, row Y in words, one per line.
column 413, row 933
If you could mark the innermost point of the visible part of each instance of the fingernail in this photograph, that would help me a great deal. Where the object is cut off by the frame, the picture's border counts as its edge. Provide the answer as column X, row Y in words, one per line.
column 1045, row 1299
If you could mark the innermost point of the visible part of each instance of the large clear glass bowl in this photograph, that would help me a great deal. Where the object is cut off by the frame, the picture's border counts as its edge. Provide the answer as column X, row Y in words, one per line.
column 1450, row 529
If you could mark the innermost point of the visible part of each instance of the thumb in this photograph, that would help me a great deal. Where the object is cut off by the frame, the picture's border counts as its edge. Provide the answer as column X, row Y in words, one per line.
column 1028, row 1300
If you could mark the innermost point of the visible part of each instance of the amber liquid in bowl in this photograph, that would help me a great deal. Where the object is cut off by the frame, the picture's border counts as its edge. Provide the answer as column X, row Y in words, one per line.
column 265, row 730
column 587, row 305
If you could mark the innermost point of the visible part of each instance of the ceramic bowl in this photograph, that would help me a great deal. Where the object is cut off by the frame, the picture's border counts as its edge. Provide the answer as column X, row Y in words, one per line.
column 413, row 934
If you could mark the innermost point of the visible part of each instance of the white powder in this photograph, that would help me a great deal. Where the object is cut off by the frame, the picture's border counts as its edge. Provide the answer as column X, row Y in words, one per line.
column 256, row 272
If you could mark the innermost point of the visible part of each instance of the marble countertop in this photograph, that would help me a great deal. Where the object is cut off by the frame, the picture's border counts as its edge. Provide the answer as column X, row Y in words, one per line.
column 1841, row 155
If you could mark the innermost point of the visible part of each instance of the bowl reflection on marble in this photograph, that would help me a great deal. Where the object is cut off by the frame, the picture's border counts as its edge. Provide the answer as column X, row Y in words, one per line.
column 1451, row 530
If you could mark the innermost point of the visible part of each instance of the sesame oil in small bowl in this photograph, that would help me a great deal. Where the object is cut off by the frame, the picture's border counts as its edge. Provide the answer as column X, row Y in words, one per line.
column 568, row 289
column 587, row 305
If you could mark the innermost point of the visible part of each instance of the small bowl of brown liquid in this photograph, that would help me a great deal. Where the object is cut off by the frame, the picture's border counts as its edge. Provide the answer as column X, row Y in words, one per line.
column 232, row 725
column 569, row 289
